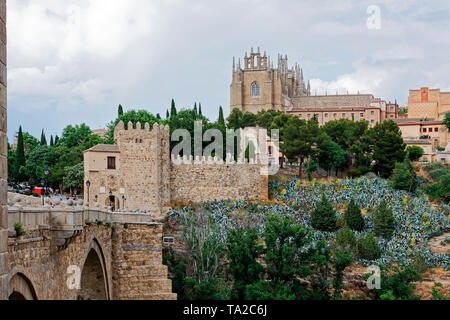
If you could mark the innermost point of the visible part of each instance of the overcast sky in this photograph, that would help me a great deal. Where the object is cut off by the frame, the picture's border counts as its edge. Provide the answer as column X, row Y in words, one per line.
column 74, row 61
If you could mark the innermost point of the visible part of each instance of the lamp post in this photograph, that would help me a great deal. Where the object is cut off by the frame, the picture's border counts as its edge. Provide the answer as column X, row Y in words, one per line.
column 46, row 172
column 43, row 192
column 88, row 184
column 123, row 203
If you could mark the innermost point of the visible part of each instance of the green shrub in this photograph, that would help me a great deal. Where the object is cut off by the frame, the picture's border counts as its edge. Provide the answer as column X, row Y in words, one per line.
column 346, row 240
column 368, row 247
column 414, row 153
column 323, row 216
column 384, row 221
column 434, row 166
column 438, row 173
column 20, row 231
column 397, row 284
column 418, row 263
column 353, row 217
column 436, row 293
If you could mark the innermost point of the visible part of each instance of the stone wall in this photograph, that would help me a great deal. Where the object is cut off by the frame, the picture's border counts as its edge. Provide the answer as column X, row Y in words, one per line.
column 138, row 271
column 3, row 156
column 206, row 182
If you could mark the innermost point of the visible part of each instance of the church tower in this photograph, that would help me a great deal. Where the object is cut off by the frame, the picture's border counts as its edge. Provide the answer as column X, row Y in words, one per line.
column 258, row 86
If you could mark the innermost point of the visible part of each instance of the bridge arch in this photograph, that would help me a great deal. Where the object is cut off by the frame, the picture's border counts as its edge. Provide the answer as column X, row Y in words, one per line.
column 21, row 288
column 94, row 284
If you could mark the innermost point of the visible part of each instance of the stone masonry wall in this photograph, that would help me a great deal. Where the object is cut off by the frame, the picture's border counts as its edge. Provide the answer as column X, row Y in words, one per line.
column 3, row 157
column 206, row 182
column 137, row 262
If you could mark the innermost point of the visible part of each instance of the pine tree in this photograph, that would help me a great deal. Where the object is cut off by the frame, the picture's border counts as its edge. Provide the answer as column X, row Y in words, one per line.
column 120, row 112
column 346, row 240
column 324, row 217
column 221, row 120
column 43, row 139
column 173, row 110
column 353, row 217
column 51, row 141
column 200, row 109
column 20, row 157
column 368, row 247
column 383, row 221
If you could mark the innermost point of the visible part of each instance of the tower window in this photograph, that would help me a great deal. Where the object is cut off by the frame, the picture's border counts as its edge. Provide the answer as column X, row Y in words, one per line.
column 111, row 163
column 256, row 91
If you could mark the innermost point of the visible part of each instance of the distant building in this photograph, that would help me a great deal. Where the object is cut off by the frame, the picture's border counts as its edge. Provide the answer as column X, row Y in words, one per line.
column 100, row 132
column 424, row 120
column 258, row 85
column 429, row 154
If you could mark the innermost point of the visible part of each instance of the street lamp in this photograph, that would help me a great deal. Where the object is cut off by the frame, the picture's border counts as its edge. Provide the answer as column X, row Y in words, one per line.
column 46, row 172
column 43, row 192
column 123, row 198
column 88, row 184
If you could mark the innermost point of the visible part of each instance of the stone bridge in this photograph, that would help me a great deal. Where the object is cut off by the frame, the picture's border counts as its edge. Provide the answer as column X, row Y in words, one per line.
column 72, row 252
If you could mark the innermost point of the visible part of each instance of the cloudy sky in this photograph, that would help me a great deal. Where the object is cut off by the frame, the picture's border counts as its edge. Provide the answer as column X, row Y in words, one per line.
column 74, row 61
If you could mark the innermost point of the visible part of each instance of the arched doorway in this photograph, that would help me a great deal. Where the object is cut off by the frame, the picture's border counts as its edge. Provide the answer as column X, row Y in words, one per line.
column 93, row 283
column 111, row 202
column 21, row 288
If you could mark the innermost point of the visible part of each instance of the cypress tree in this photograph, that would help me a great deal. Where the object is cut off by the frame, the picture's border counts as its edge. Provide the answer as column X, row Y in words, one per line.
column 167, row 114
column 221, row 120
column 353, row 217
column 43, row 139
column 56, row 140
column 195, row 108
column 20, row 157
column 324, row 217
column 383, row 221
column 200, row 109
column 173, row 110
column 120, row 112
column 51, row 141
column 158, row 116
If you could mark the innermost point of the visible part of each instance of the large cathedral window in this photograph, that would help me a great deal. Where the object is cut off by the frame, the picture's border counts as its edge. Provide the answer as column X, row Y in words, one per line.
column 256, row 92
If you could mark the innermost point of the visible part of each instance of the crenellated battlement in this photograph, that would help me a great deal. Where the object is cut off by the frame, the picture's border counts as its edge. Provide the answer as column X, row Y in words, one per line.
column 191, row 160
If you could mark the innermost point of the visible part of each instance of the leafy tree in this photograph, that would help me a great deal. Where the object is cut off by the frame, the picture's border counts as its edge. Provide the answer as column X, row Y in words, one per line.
column 142, row 116
column 440, row 190
column 34, row 168
column 20, row 158
column 120, row 111
column 177, row 271
column 56, row 139
column 173, row 109
column 235, row 119
column 43, row 139
column 387, row 145
column 342, row 260
column 323, row 217
column 248, row 120
column 243, row 251
column 447, row 120
column 353, row 217
column 397, row 284
column 404, row 176
column 383, row 221
column 73, row 136
column 332, row 156
column 368, row 247
column 74, row 176
column 287, row 263
column 414, row 153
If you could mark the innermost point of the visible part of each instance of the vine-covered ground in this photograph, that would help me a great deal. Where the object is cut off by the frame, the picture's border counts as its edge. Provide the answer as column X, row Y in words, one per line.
column 417, row 220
